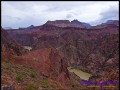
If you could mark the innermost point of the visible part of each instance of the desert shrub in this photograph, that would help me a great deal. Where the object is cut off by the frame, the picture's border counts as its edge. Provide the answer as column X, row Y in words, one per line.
column 7, row 65
column 19, row 78
column 44, row 84
column 33, row 74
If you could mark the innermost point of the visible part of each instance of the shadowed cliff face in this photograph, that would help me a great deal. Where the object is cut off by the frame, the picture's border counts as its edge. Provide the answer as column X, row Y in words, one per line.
column 9, row 46
column 6, row 38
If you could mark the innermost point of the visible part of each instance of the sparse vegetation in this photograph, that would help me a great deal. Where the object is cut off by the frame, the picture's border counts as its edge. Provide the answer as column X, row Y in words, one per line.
column 44, row 84
column 25, row 73
column 33, row 74
column 7, row 63
column 19, row 78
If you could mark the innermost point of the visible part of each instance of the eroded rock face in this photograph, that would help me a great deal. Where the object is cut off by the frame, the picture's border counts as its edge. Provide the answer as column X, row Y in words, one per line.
column 55, row 35
column 65, row 23
column 10, row 47
column 46, row 61
column 6, row 38
column 93, row 50
column 86, row 25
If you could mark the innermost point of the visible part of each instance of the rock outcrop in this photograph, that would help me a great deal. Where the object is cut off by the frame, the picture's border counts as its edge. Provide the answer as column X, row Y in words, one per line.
column 85, row 25
column 65, row 23
column 9, row 46
column 48, row 62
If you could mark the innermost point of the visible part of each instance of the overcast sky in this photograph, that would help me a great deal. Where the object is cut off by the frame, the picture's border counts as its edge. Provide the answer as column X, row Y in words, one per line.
column 17, row 14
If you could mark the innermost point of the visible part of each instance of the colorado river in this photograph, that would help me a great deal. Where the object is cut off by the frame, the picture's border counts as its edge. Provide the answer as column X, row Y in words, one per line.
column 83, row 75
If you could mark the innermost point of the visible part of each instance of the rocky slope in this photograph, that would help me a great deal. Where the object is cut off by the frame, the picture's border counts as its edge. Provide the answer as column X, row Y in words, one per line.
column 29, row 36
column 86, row 25
column 9, row 46
column 57, row 45
column 48, row 62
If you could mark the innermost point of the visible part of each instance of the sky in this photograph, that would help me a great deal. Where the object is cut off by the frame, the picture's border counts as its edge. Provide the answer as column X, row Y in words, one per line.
column 17, row 14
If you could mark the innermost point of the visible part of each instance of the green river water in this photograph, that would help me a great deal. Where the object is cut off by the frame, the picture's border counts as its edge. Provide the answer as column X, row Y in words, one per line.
column 80, row 73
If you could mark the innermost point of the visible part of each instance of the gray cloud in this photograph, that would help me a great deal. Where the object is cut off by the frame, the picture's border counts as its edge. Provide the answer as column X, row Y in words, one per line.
column 23, row 14
column 10, row 17
column 110, row 14
column 69, row 16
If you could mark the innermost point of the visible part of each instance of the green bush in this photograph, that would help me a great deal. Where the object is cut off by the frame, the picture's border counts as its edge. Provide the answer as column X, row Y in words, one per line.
column 19, row 78
column 44, row 84
column 32, row 74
